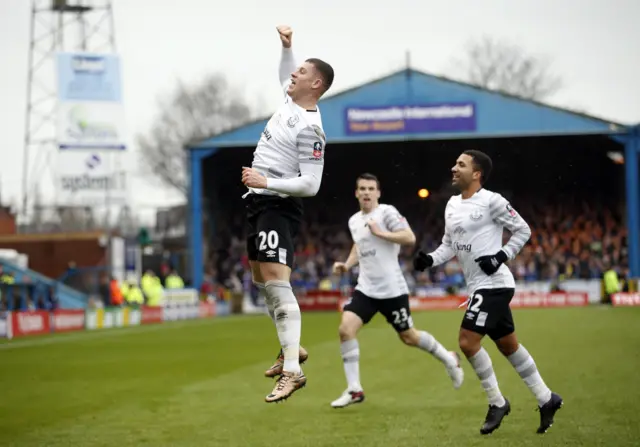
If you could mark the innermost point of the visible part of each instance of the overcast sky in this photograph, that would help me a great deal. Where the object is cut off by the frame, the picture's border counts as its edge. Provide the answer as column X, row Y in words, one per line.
column 593, row 44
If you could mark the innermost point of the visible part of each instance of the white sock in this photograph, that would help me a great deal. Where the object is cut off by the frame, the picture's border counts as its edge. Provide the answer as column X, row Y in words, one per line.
column 429, row 343
column 351, row 360
column 483, row 367
column 267, row 301
column 288, row 322
column 526, row 367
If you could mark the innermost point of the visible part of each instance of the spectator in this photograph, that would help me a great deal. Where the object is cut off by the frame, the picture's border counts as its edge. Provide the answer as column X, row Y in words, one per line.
column 570, row 238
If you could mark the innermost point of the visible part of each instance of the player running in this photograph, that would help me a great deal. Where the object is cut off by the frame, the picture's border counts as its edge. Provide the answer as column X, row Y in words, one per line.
column 378, row 231
column 287, row 165
column 474, row 222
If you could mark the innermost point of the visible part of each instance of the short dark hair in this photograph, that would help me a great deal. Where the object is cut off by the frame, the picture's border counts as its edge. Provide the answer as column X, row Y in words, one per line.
column 367, row 176
column 481, row 162
column 325, row 70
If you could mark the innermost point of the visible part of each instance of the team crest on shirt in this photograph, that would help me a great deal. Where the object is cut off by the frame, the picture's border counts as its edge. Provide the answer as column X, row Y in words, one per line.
column 291, row 122
column 475, row 215
column 317, row 150
column 459, row 231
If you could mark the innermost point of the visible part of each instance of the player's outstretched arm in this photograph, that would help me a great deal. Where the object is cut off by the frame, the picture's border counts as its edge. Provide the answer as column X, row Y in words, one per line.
column 287, row 61
column 353, row 258
column 503, row 214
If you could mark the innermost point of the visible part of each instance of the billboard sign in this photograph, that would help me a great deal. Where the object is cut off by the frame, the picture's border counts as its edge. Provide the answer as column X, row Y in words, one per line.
column 5, row 324
column 90, row 178
column 411, row 119
column 91, row 131
column 90, row 109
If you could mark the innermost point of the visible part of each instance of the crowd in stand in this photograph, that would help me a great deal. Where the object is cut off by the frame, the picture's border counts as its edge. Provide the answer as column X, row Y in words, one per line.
column 22, row 292
column 573, row 239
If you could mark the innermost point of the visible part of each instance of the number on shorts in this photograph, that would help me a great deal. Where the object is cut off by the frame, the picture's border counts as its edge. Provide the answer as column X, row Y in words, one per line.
column 268, row 239
column 400, row 316
column 477, row 304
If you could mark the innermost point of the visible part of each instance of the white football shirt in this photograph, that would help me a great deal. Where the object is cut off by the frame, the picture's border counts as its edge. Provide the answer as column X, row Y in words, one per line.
column 473, row 228
column 293, row 141
column 380, row 275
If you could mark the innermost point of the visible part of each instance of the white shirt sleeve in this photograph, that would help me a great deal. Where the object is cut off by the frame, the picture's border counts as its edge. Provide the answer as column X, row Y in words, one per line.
column 503, row 214
column 287, row 66
column 393, row 220
column 444, row 252
column 311, row 146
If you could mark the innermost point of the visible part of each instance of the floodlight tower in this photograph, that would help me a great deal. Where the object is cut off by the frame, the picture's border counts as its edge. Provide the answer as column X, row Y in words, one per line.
column 56, row 26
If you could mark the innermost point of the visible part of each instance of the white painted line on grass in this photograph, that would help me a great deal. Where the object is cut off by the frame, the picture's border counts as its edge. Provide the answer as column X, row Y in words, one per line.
column 112, row 332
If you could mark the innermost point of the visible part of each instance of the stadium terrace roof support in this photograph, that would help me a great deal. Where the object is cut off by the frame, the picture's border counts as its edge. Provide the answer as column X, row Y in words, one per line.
column 632, row 160
column 413, row 105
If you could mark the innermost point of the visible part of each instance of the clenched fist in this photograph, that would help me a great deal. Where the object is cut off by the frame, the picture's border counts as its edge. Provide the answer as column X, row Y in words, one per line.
column 339, row 267
column 253, row 179
column 285, row 35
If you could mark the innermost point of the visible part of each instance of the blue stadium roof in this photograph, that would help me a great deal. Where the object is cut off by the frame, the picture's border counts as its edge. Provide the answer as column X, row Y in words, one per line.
column 410, row 104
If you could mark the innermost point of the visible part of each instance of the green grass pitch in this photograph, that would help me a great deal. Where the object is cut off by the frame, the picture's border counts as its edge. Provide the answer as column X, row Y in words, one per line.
column 200, row 383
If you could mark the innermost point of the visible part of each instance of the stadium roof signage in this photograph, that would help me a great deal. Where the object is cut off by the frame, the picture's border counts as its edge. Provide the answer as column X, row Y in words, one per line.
column 413, row 105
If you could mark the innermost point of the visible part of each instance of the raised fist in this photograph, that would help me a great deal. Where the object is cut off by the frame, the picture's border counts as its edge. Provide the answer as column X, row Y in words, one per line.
column 285, row 35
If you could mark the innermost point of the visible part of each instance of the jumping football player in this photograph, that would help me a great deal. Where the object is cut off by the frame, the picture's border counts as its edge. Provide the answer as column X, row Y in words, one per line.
column 287, row 164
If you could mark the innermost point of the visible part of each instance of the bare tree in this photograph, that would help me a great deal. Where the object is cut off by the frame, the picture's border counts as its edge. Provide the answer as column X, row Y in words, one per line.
column 192, row 112
column 505, row 67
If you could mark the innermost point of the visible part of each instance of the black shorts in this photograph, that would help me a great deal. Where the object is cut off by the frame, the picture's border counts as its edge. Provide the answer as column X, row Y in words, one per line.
column 395, row 310
column 488, row 313
column 272, row 227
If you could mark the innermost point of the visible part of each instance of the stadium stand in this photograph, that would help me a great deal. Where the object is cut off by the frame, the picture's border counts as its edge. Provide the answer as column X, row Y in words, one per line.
column 571, row 239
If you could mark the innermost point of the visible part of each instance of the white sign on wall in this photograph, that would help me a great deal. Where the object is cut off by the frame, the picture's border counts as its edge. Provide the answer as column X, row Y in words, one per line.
column 91, row 131
column 91, row 125
column 90, row 178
